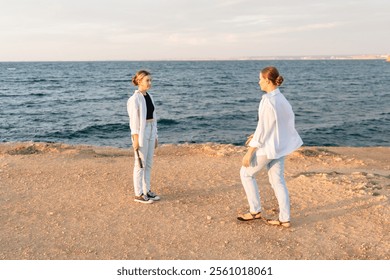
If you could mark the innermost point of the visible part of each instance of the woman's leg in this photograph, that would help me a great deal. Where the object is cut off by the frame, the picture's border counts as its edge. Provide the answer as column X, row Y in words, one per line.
column 248, row 180
column 138, row 173
column 276, row 178
column 149, row 153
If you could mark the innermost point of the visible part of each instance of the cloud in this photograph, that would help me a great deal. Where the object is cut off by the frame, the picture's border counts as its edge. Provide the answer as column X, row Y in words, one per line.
column 228, row 3
column 186, row 39
column 202, row 28
column 246, row 20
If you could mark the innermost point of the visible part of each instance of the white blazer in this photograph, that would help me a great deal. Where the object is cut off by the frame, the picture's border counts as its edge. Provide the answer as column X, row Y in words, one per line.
column 275, row 135
column 136, row 108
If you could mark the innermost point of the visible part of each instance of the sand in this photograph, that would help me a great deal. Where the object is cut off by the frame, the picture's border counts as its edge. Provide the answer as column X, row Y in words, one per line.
column 67, row 202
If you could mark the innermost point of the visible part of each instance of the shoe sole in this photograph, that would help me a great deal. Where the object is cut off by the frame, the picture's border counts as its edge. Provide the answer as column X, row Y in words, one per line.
column 144, row 201
column 280, row 224
column 247, row 220
column 250, row 219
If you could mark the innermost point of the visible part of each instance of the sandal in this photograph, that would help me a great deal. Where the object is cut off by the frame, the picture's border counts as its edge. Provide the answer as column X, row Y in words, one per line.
column 278, row 223
column 249, row 216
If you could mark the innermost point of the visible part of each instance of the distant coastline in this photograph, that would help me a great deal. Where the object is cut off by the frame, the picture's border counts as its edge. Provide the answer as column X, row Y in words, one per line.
column 307, row 57
column 329, row 57
column 246, row 58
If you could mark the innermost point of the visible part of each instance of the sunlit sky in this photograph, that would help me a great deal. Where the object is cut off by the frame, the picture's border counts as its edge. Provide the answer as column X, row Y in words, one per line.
column 35, row 30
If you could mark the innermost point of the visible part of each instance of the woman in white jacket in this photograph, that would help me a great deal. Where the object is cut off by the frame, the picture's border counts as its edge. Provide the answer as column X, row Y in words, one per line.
column 143, row 126
column 274, row 138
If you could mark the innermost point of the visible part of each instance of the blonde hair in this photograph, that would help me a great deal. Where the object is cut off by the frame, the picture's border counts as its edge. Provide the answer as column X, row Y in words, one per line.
column 272, row 74
column 139, row 76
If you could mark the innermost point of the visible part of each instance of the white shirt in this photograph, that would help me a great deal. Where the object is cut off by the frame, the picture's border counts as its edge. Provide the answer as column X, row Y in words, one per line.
column 275, row 135
column 136, row 108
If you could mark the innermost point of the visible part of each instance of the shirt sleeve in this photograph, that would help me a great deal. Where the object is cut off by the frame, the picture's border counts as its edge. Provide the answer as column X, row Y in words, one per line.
column 134, row 115
column 265, row 126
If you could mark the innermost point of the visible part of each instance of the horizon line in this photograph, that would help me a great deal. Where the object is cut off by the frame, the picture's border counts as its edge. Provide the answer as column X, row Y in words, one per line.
column 249, row 58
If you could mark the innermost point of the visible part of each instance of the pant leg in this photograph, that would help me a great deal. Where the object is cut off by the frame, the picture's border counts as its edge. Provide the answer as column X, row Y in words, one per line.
column 139, row 173
column 276, row 178
column 149, row 153
column 249, row 183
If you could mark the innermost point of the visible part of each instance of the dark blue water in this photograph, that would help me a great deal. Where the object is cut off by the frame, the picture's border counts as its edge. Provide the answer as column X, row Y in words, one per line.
column 337, row 103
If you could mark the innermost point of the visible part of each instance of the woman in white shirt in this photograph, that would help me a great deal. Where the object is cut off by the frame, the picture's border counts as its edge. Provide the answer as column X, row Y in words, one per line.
column 143, row 126
column 274, row 138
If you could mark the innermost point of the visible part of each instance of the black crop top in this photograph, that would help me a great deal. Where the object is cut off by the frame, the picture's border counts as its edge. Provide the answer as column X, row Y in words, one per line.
column 149, row 107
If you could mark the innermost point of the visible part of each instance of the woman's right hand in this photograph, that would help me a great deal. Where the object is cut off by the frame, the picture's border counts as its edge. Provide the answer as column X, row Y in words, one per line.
column 246, row 161
column 135, row 142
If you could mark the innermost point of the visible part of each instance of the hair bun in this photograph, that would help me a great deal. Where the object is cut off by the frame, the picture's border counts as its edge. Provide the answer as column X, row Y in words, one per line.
column 134, row 81
column 279, row 80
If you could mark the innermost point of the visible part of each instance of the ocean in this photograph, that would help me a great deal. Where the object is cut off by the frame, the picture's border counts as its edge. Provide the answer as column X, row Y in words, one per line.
column 336, row 102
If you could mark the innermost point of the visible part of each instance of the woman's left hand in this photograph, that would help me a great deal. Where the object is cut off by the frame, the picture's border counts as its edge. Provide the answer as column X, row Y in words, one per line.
column 156, row 143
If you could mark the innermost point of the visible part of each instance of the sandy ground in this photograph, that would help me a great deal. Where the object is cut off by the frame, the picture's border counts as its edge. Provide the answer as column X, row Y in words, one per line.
column 76, row 202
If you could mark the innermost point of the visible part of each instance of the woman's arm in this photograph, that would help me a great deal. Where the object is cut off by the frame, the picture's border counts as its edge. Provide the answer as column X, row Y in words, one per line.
column 133, row 111
column 135, row 138
column 265, row 126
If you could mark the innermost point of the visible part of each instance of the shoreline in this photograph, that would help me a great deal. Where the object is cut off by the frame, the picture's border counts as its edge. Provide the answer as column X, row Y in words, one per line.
column 83, row 145
column 61, row 201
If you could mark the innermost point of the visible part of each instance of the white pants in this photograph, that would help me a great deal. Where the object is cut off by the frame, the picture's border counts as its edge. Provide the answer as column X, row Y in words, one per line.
column 276, row 178
column 141, row 176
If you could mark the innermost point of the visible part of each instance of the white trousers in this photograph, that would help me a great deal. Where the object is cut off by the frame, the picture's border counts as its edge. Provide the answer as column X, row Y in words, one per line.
column 141, row 176
column 275, row 169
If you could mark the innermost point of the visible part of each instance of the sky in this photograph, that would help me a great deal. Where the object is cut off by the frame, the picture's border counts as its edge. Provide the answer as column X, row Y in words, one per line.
column 88, row 30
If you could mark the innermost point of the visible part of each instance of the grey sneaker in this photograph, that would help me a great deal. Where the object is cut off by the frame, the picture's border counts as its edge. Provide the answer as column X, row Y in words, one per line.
column 152, row 196
column 143, row 199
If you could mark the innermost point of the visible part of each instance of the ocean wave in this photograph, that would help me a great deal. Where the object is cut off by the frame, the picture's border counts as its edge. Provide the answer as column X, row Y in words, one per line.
column 351, row 133
column 37, row 94
column 102, row 131
column 167, row 122
column 41, row 80
column 119, row 81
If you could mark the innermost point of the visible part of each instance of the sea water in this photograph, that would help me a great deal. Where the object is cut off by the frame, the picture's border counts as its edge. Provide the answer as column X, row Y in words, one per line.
column 336, row 102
